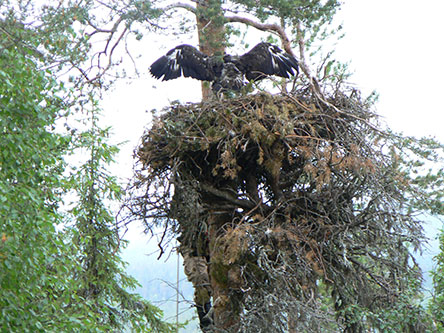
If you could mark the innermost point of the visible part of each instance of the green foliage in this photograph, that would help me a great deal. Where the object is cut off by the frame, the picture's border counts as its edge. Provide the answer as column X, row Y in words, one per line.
column 103, row 282
column 420, row 161
column 407, row 314
column 58, row 277
column 76, row 37
column 37, row 289
column 436, row 304
column 311, row 13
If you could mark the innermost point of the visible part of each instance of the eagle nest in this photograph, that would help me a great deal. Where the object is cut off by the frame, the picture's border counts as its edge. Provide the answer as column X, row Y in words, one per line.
column 303, row 180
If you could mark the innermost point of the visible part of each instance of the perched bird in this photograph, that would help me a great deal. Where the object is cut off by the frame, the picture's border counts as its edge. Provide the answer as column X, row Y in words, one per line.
column 226, row 72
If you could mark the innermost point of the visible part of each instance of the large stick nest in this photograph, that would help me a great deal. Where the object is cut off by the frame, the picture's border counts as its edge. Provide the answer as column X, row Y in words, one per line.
column 310, row 187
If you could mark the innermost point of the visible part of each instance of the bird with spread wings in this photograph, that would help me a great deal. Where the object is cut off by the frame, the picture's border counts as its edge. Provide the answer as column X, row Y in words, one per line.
column 225, row 72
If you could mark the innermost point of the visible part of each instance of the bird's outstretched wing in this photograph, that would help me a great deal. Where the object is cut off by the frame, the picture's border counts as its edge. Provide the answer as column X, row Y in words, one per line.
column 183, row 60
column 268, row 59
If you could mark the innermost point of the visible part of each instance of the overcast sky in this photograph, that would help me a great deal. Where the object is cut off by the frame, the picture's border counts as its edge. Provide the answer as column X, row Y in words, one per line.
column 397, row 48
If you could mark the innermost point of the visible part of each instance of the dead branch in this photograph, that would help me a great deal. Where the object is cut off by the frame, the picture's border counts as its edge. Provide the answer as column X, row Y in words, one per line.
column 275, row 28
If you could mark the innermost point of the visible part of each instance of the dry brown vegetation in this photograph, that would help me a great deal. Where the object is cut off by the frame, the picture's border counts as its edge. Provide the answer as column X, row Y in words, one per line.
column 296, row 199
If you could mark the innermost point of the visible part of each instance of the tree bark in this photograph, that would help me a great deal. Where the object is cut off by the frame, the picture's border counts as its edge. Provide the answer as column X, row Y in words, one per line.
column 211, row 33
column 226, row 313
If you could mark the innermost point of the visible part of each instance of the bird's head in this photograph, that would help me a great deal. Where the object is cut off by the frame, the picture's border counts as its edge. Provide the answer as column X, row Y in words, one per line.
column 228, row 58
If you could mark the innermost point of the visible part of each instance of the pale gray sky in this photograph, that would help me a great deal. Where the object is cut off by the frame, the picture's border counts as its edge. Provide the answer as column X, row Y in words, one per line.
column 397, row 48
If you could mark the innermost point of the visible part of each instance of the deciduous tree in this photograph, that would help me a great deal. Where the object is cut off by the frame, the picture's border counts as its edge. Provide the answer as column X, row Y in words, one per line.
column 59, row 272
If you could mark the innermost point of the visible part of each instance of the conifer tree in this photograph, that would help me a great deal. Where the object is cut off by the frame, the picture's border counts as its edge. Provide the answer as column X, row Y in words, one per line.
column 59, row 272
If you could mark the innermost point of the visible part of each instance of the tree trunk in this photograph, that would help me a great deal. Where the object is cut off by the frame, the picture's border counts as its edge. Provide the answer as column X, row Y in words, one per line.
column 211, row 33
column 226, row 312
column 291, row 324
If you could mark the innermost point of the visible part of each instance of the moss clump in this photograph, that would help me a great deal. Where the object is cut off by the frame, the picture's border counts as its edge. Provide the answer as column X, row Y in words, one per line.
column 219, row 272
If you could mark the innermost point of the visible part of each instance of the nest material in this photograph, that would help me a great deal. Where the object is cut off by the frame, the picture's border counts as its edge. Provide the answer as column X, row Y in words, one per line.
column 305, row 183
column 256, row 126
column 259, row 152
column 263, row 135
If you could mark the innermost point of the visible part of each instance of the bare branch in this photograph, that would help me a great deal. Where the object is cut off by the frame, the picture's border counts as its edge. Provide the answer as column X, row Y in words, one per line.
column 302, row 62
column 275, row 28
column 181, row 5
